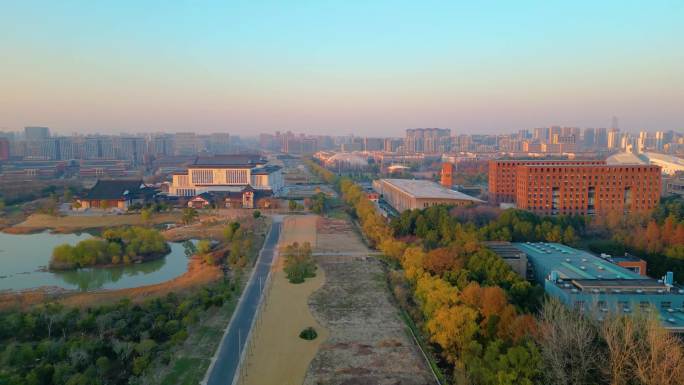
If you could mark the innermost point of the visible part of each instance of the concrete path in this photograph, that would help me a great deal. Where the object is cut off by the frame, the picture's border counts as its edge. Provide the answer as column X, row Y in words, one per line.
column 225, row 362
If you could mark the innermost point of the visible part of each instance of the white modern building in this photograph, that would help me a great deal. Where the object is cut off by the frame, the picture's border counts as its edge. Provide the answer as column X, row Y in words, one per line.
column 229, row 174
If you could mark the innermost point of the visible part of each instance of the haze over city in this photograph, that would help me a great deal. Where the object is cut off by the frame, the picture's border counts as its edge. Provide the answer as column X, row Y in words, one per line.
column 325, row 192
column 365, row 68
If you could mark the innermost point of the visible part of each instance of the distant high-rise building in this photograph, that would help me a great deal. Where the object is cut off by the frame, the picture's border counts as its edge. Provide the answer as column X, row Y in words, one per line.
column 601, row 138
column 589, row 138
column 34, row 133
column 4, row 149
column 427, row 140
column 373, row 144
column 185, row 143
column 659, row 140
column 160, row 144
column 613, row 138
column 219, row 143
column 393, row 144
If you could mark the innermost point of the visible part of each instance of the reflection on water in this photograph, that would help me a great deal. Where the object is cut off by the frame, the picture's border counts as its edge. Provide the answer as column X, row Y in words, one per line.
column 24, row 257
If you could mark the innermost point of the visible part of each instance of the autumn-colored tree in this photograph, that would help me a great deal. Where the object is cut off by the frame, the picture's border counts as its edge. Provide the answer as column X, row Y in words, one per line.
column 453, row 328
column 653, row 243
column 440, row 260
column 434, row 293
column 412, row 261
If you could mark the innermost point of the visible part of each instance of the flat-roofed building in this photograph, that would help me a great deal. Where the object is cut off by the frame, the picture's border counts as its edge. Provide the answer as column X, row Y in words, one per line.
column 227, row 173
column 409, row 194
column 597, row 285
column 502, row 175
column 587, row 189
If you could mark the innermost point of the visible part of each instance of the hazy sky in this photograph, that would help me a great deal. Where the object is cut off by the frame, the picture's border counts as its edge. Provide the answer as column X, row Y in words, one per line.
column 364, row 67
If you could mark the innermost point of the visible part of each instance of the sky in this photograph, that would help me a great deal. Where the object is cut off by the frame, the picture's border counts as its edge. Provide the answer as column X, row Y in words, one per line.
column 340, row 67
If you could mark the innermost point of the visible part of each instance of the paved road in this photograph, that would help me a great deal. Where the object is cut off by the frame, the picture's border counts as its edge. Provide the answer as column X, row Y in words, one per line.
column 222, row 370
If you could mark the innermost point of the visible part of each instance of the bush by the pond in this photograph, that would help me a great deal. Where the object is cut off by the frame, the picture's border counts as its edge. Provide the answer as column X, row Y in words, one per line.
column 308, row 334
column 299, row 263
column 122, row 245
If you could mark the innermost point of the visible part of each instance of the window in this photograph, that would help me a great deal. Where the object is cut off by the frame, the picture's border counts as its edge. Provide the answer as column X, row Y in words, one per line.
column 666, row 305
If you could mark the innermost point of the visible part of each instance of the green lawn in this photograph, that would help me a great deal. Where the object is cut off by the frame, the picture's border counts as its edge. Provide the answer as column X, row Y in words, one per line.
column 186, row 371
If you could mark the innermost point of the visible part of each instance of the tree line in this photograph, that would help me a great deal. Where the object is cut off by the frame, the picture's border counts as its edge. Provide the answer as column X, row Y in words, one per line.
column 110, row 344
column 484, row 321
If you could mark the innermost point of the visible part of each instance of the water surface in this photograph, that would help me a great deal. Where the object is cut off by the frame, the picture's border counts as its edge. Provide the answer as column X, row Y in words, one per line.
column 24, row 259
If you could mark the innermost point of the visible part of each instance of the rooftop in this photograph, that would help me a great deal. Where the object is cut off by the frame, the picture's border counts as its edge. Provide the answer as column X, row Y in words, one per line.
column 572, row 263
column 114, row 189
column 505, row 250
column 239, row 160
column 265, row 170
column 425, row 189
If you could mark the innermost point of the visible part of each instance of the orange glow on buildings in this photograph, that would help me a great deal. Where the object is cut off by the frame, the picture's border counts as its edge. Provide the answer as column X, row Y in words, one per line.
column 575, row 187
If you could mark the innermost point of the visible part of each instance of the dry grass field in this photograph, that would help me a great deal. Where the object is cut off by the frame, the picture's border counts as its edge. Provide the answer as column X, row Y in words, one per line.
column 38, row 222
column 369, row 344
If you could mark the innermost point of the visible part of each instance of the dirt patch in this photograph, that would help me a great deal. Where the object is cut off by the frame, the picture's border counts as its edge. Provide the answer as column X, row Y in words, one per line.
column 368, row 341
column 279, row 356
column 39, row 222
column 299, row 228
column 338, row 236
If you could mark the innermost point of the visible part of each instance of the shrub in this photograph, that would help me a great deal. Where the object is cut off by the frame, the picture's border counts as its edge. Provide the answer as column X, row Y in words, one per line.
column 308, row 334
column 299, row 263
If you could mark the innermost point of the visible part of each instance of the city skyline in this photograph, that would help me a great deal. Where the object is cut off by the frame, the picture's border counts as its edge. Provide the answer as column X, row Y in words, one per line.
column 370, row 69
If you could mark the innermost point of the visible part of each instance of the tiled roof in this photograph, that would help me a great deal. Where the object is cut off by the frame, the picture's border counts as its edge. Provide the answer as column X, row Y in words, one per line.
column 114, row 189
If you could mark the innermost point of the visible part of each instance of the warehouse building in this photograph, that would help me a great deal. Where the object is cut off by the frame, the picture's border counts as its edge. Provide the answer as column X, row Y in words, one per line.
column 595, row 284
column 409, row 194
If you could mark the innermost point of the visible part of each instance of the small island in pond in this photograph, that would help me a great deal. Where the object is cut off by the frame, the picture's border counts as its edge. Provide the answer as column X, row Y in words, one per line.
column 116, row 246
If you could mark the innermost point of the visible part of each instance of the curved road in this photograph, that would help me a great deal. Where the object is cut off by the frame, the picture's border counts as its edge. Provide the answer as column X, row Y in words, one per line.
column 225, row 362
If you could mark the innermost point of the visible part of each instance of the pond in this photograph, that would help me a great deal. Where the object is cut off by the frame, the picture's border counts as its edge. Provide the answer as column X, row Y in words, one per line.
column 24, row 259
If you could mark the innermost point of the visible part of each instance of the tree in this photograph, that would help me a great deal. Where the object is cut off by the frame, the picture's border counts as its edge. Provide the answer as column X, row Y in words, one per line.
column 256, row 214
column 146, row 215
column 292, row 204
column 189, row 215
column 204, row 246
column 439, row 261
column 299, row 263
column 453, row 328
column 568, row 346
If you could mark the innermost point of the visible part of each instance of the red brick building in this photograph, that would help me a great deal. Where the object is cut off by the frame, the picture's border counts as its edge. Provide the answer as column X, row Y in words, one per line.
column 447, row 176
column 587, row 189
column 502, row 175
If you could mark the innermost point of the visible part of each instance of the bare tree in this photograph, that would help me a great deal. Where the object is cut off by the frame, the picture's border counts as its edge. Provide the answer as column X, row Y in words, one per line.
column 619, row 333
column 569, row 346
column 659, row 359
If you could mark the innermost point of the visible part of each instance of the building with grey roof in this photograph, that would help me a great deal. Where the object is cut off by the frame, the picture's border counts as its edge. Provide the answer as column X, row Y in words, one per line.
column 409, row 194
column 591, row 283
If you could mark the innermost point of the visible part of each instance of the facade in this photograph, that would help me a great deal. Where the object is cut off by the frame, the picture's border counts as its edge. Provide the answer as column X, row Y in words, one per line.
column 447, row 175
column 597, row 285
column 409, row 194
column 227, row 173
column 428, row 140
column 503, row 173
column 587, row 189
